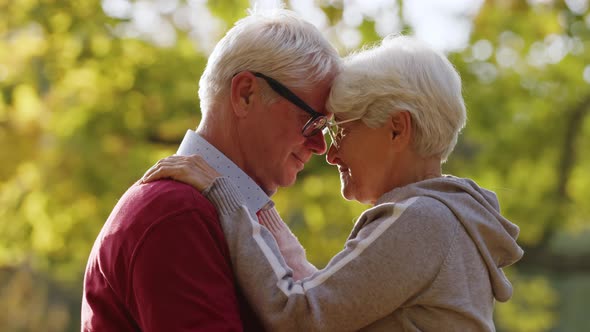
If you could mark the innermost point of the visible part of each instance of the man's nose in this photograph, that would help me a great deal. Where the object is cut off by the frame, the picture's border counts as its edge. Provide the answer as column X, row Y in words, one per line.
column 316, row 143
column 331, row 156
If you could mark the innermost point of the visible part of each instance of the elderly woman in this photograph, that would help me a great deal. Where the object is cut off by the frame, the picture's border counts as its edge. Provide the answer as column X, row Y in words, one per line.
column 428, row 256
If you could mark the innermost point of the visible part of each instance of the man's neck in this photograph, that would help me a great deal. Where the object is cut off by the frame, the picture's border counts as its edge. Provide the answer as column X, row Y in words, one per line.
column 221, row 133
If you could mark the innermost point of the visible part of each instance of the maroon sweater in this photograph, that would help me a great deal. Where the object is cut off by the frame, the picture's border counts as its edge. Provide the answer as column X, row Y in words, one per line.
column 161, row 263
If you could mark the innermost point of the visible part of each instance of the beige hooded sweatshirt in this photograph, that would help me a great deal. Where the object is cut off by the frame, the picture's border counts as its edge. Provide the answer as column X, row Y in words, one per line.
column 426, row 257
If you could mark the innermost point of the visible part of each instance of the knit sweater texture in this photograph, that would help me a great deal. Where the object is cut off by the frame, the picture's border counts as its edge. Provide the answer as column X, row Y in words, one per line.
column 161, row 263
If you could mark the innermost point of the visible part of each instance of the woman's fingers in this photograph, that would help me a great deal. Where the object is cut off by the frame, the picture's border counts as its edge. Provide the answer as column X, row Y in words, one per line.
column 202, row 165
column 164, row 168
column 146, row 176
column 158, row 173
column 149, row 175
column 192, row 170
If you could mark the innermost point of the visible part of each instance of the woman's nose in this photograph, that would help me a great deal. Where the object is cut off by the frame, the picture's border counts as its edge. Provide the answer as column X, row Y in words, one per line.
column 331, row 155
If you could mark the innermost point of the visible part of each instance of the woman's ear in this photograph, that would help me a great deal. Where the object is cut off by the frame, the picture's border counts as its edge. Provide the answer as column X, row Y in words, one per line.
column 243, row 89
column 401, row 128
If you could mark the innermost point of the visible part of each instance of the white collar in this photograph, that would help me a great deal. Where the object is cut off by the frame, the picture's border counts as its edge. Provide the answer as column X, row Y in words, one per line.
column 256, row 198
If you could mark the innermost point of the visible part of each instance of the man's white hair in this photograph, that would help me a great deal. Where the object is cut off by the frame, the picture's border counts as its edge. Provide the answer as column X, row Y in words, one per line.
column 403, row 74
column 275, row 42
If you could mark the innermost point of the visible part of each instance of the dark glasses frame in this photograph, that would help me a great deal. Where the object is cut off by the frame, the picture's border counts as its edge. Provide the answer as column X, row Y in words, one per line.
column 318, row 121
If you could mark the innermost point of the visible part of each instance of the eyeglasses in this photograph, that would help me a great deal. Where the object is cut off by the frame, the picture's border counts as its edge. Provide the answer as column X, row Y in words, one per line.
column 318, row 121
column 336, row 132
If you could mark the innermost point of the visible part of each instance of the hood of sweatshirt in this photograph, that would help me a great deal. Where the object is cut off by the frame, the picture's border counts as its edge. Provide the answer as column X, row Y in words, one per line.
column 479, row 212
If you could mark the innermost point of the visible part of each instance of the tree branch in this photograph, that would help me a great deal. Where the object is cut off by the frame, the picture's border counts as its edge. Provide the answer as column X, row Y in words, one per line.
column 568, row 159
column 574, row 121
column 543, row 259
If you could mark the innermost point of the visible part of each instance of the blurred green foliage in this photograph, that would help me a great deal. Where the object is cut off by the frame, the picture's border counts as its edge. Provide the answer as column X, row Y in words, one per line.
column 84, row 111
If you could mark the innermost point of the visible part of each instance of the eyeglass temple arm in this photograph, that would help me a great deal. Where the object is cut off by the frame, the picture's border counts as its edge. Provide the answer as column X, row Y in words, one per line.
column 283, row 91
column 335, row 123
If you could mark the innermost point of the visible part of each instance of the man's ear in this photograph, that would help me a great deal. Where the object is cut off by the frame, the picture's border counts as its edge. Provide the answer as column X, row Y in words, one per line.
column 243, row 89
column 401, row 128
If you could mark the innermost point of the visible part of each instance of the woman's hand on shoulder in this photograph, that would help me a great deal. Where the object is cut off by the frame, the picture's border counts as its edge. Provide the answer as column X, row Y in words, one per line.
column 192, row 170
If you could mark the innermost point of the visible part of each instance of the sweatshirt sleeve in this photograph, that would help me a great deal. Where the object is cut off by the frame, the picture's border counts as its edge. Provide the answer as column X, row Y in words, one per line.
column 384, row 264
column 291, row 250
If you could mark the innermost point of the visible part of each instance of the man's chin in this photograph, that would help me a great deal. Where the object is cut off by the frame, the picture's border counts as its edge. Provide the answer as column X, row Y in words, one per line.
column 271, row 189
column 289, row 180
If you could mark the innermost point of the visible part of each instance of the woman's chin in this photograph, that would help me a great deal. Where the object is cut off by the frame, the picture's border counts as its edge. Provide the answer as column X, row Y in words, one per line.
column 347, row 192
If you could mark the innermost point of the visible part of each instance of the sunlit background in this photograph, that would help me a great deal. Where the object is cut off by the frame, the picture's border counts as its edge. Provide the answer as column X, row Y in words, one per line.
column 94, row 92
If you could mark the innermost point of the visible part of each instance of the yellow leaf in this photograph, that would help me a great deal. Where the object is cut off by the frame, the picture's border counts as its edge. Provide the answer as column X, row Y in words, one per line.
column 27, row 106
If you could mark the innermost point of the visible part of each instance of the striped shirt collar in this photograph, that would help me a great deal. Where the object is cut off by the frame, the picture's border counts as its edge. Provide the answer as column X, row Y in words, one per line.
column 256, row 198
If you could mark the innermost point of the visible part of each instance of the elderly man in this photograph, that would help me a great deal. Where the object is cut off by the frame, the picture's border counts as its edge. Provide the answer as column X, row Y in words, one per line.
column 161, row 262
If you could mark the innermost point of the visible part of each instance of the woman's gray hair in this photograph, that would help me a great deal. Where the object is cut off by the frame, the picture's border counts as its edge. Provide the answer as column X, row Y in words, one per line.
column 277, row 43
column 403, row 74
